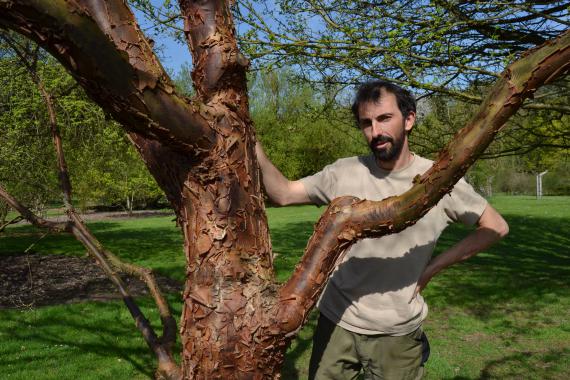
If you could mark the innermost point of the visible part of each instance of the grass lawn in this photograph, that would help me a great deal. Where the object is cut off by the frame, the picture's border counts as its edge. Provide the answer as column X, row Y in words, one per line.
column 503, row 314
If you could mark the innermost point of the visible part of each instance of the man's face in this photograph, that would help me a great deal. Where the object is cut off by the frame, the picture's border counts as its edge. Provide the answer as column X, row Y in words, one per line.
column 384, row 126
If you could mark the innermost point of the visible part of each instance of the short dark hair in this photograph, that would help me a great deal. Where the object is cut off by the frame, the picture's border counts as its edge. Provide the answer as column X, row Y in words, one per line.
column 371, row 92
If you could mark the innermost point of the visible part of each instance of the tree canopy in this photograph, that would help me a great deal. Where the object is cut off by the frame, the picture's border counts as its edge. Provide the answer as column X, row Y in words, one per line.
column 450, row 49
column 433, row 46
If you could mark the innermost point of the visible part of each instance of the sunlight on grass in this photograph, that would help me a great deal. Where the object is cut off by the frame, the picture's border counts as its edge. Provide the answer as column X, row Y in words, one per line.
column 503, row 314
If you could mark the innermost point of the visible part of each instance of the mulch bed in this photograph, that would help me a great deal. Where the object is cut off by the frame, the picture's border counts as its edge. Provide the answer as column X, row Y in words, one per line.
column 30, row 280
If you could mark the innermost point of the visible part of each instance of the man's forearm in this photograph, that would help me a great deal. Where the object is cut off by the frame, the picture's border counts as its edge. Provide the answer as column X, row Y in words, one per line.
column 475, row 242
column 279, row 189
column 492, row 227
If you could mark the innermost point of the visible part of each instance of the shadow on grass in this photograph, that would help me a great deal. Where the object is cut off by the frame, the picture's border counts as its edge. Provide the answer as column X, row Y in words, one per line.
column 529, row 269
column 289, row 243
column 93, row 335
column 532, row 262
column 527, row 365
column 148, row 242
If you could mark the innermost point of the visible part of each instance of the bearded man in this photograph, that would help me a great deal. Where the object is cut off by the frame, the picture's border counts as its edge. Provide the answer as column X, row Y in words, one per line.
column 371, row 311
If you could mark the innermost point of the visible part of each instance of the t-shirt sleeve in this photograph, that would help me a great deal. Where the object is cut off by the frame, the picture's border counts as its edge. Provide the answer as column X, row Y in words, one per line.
column 320, row 186
column 464, row 204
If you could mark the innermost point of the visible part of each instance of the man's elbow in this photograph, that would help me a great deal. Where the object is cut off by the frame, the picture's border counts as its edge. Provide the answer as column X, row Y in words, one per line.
column 499, row 226
column 292, row 193
column 281, row 198
column 280, row 201
column 503, row 228
column 493, row 221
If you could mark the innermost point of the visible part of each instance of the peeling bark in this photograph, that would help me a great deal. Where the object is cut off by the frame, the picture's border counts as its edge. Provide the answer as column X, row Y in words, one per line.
column 236, row 321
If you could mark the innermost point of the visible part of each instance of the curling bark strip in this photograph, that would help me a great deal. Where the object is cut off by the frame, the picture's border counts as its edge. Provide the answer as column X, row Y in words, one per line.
column 348, row 219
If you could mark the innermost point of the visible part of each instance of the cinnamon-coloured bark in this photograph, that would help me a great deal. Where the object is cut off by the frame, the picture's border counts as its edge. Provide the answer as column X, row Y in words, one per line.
column 219, row 67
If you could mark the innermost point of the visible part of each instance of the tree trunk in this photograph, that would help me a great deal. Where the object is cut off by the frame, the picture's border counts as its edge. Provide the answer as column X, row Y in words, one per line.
column 236, row 321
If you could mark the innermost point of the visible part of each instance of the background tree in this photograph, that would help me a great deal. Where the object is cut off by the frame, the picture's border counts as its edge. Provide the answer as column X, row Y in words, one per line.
column 236, row 321
column 23, row 136
column 298, row 136
column 453, row 49
column 104, row 166
column 535, row 141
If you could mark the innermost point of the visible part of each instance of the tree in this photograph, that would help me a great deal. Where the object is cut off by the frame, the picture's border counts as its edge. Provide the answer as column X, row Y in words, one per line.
column 23, row 136
column 434, row 46
column 236, row 321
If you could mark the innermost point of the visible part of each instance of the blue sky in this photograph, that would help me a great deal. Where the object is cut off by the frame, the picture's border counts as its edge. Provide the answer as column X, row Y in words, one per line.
column 172, row 53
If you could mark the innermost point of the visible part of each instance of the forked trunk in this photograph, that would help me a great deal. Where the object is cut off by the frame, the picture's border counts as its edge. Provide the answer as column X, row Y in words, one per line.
column 236, row 322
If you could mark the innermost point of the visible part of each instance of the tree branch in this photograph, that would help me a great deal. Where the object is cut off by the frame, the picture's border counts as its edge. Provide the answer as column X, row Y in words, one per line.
column 15, row 220
column 31, row 217
column 348, row 219
column 490, row 31
column 76, row 227
column 218, row 64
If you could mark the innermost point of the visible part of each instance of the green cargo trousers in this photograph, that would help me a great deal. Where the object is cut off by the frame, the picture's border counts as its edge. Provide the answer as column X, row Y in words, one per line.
column 340, row 354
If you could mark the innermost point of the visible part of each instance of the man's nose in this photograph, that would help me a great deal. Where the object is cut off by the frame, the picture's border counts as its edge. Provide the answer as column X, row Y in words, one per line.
column 377, row 129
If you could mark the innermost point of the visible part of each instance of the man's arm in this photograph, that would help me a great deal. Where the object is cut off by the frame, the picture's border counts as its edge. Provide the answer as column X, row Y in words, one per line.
column 279, row 189
column 491, row 228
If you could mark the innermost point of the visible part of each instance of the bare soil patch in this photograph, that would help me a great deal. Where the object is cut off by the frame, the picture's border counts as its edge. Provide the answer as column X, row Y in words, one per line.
column 30, row 280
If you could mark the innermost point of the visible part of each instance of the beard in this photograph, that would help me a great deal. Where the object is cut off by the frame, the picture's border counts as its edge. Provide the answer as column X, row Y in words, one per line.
column 391, row 151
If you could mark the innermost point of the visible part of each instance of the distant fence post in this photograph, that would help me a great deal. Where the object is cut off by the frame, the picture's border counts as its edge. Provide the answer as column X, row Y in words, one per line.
column 539, row 184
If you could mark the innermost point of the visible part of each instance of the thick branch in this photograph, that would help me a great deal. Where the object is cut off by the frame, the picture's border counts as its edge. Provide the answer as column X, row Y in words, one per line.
column 30, row 216
column 218, row 64
column 349, row 219
column 126, row 78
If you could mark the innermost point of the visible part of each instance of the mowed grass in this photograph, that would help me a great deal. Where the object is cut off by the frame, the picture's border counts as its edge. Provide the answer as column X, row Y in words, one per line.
column 504, row 314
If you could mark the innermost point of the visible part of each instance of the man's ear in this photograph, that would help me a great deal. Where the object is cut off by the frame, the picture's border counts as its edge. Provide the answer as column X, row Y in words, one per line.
column 409, row 121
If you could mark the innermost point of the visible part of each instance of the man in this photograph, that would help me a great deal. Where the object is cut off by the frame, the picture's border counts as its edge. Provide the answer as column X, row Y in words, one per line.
column 372, row 310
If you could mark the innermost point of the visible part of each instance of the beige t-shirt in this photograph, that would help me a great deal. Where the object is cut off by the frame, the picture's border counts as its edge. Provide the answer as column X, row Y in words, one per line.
column 370, row 291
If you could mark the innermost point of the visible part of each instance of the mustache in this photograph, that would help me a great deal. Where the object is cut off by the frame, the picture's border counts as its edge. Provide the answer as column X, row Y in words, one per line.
column 381, row 139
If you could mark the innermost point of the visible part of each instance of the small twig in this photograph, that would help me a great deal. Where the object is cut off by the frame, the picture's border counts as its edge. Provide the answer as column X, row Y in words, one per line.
column 17, row 219
column 36, row 242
